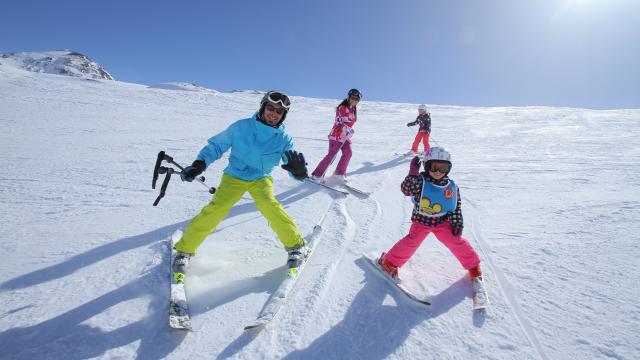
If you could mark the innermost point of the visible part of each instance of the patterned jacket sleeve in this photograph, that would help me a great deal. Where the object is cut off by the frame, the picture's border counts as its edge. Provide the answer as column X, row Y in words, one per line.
column 455, row 216
column 428, row 124
column 412, row 185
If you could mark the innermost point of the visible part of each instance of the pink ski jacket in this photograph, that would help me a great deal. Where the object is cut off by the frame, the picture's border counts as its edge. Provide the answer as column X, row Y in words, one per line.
column 343, row 126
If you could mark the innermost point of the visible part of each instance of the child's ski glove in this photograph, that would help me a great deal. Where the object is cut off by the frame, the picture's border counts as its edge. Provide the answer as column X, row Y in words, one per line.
column 414, row 169
column 296, row 165
column 456, row 230
column 190, row 172
column 410, row 124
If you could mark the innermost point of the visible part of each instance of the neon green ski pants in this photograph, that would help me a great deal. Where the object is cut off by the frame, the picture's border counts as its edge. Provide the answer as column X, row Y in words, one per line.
column 228, row 193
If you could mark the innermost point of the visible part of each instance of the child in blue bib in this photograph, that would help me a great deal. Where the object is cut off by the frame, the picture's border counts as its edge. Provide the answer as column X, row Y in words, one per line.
column 437, row 210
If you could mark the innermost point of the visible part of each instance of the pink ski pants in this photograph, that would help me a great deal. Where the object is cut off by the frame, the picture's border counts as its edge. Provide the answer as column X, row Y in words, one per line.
column 402, row 251
column 334, row 147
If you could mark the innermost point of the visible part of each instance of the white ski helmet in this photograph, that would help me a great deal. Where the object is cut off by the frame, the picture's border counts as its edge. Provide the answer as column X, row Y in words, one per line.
column 437, row 153
column 422, row 107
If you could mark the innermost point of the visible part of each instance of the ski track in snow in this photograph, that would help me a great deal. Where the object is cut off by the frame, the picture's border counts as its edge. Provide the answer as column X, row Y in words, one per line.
column 501, row 282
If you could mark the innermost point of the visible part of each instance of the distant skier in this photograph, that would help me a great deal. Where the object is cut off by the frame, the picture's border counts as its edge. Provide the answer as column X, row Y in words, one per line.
column 257, row 145
column 424, row 129
column 340, row 137
column 437, row 210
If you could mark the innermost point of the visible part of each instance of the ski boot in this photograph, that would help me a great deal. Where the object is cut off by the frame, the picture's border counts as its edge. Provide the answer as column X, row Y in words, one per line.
column 389, row 268
column 342, row 178
column 296, row 257
column 179, row 266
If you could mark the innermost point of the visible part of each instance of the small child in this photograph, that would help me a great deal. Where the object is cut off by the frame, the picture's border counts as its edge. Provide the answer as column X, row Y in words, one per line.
column 437, row 210
column 424, row 129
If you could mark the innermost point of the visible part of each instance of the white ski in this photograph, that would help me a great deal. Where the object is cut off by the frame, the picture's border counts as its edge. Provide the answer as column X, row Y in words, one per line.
column 178, row 306
column 374, row 262
column 279, row 297
column 356, row 190
column 326, row 186
column 404, row 154
column 480, row 296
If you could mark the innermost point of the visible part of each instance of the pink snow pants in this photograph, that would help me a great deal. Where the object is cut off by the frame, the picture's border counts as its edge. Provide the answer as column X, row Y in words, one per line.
column 402, row 251
column 341, row 169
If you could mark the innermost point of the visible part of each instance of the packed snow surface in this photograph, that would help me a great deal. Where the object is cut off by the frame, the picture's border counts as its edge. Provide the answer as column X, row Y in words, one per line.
column 551, row 202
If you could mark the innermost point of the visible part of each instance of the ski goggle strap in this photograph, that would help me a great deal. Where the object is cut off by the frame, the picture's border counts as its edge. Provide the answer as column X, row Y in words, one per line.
column 275, row 97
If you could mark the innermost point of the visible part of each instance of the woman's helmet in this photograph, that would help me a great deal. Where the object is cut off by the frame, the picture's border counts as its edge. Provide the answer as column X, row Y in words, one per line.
column 275, row 97
column 422, row 107
column 439, row 154
column 354, row 93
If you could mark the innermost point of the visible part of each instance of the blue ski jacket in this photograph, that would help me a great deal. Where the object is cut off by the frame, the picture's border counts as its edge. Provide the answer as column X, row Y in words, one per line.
column 255, row 148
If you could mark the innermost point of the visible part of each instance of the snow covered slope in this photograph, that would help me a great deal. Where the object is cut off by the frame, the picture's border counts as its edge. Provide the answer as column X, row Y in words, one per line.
column 60, row 62
column 182, row 86
column 551, row 202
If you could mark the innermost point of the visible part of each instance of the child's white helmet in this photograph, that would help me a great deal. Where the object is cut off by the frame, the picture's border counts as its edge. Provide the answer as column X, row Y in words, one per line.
column 422, row 107
column 437, row 153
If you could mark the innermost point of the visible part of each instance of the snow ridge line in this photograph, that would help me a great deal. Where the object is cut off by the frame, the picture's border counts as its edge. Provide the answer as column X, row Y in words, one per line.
column 506, row 287
column 318, row 282
column 321, row 284
column 348, row 235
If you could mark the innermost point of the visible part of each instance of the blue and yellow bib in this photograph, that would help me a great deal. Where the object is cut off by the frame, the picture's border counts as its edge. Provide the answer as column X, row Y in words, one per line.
column 437, row 200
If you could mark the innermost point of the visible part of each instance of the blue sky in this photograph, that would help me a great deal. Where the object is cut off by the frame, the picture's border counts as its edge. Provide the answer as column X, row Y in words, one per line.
column 578, row 53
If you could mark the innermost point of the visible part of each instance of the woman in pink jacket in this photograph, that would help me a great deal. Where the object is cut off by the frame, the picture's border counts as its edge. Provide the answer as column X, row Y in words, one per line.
column 340, row 137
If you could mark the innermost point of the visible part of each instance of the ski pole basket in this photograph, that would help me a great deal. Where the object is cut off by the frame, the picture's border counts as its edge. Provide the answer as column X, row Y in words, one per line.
column 159, row 170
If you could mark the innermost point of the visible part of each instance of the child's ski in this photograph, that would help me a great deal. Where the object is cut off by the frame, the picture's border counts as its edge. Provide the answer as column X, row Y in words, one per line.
column 279, row 297
column 405, row 154
column 480, row 296
column 374, row 262
column 326, row 186
column 356, row 190
column 178, row 306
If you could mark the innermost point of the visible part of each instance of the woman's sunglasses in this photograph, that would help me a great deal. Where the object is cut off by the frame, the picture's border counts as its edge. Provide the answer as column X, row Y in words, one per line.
column 272, row 108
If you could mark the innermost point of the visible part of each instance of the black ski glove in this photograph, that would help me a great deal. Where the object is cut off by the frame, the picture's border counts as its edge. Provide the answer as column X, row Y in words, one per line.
column 190, row 172
column 296, row 165
column 410, row 124
column 456, row 230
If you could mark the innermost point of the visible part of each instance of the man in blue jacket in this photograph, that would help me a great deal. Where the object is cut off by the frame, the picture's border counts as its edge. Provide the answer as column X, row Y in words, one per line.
column 257, row 145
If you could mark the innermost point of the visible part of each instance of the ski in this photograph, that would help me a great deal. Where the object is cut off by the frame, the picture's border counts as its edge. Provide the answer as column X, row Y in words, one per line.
column 480, row 296
column 356, row 190
column 404, row 154
column 410, row 154
column 178, row 306
column 279, row 297
column 326, row 186
column 374, row 263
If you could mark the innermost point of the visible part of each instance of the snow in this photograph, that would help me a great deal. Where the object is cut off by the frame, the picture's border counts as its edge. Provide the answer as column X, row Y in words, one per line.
column 551, row 203
column 182, row 86
column 59, row 62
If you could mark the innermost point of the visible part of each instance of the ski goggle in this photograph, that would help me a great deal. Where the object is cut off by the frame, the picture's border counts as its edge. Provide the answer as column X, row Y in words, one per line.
column 275, row 97
column 438, row 169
